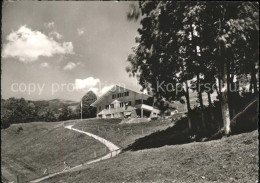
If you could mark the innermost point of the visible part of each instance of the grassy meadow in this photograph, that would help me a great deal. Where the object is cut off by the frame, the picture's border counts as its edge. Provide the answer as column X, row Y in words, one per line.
column 32, row 150
column 121, row 134
column 232, row 159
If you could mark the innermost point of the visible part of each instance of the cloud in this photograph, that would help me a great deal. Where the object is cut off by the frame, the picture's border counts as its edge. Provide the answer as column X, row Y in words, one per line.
column 101, row 91
column 95, row 90
column 87, row 83
column 44, row 64
column 70, row 66
column 49, row 25
column 28, row 45
column 80, row 31
column 55, row 34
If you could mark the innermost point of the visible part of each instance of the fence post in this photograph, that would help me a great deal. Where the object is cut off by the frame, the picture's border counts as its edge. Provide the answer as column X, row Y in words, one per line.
column 142, row 131
column 95, row 154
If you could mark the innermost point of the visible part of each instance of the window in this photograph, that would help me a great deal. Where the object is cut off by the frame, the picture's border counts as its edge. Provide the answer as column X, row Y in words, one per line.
column 112, row 106
column 107, row 106
column 121, row 104
column 113, row 96
column 99, row 108
column 119, row 95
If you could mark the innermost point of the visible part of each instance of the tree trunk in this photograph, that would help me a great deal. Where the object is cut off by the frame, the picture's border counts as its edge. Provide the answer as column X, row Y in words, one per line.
column 198, row 78
column 224, row 99
column 254, row 81
column 251, row 85
column 210, row 107
column 201, row 102
column 219, row 86
column 224, row 79
column 229, row 93
column 187, row 96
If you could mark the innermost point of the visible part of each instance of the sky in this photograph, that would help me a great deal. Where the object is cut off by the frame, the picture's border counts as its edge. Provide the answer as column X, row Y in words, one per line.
column 64, row 49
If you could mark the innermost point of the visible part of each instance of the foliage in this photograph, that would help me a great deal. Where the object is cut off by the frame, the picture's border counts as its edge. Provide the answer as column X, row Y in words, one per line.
column 87, row 110
column 183, row 43
column 15, row 110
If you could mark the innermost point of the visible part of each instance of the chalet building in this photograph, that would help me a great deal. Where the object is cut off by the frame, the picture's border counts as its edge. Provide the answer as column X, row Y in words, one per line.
column 121, row 102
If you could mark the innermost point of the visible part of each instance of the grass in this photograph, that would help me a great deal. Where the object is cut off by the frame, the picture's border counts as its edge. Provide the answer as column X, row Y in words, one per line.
column 245, row 121
column 230, row 159
column 29, row 149
column 121, row 134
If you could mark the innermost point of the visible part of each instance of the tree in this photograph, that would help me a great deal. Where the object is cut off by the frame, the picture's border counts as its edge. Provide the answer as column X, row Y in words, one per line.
column 161, row 55
column 230, row 37
column 5, row 115
column 66, row 113
column 49, row 115
column 168, row 44
column 32, row 116
column 87, row 110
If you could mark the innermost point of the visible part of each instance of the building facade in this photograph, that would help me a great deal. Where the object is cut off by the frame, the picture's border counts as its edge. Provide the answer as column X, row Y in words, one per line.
column 121, row 102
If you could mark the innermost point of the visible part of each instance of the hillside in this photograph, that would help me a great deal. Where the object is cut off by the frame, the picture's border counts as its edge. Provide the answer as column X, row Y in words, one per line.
column 27, row 150
column 121, row 134
column 56, row 104
column 232, row 159
column 19, row 110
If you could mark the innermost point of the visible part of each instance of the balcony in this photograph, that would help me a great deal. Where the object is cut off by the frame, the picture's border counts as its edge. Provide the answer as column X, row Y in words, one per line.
column 144, row 106
column 116, row 110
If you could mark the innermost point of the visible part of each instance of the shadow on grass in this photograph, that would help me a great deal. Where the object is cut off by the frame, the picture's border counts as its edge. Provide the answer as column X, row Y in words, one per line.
column 244, row 121
column 177, row 134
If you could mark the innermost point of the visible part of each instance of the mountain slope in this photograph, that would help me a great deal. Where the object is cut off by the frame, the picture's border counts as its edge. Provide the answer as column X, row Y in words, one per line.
column 231, row 159
column 28, row 150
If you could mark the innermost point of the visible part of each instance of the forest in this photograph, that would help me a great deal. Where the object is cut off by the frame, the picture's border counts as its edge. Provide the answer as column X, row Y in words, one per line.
column 19, row 110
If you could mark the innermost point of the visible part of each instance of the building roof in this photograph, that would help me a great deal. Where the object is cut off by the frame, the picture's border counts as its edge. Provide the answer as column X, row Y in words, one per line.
column 110, row 91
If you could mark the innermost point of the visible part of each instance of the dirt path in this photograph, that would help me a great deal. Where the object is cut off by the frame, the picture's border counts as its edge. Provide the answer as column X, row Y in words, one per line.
column 110, row 145
column 114, row 150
